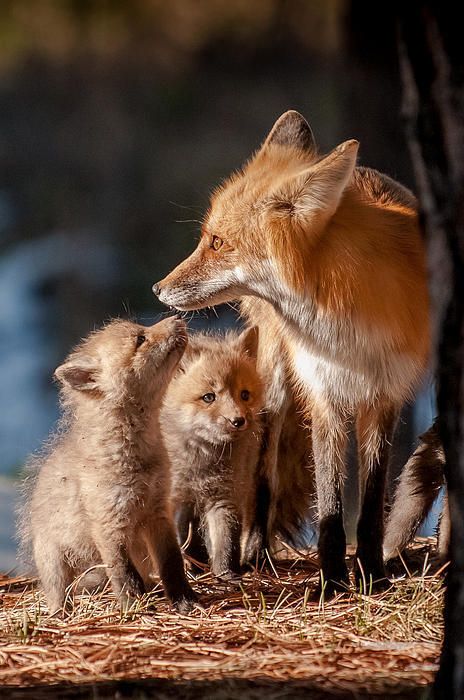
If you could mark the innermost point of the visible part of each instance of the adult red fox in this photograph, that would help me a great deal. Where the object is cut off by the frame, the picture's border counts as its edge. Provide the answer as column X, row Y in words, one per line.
column 328, row 259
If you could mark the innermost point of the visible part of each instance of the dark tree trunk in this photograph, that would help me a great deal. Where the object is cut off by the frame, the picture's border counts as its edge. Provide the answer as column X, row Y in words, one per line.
column 432, row 68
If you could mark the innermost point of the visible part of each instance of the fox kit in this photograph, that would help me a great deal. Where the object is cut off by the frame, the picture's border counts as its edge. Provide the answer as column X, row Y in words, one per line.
column 210, row 422
column 419, row 485
column 104, row 484
column 328, row 259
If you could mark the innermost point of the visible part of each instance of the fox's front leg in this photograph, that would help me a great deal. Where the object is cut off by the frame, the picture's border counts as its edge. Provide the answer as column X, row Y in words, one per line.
column 375, row 428
column 161, row 541
column 125, row 580
column 54, row 572
column 188, row 526
column 329, row 445
column 223, row 531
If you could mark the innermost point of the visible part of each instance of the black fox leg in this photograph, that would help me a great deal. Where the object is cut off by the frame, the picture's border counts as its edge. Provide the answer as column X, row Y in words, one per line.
column 375, row 428
column 329, row 445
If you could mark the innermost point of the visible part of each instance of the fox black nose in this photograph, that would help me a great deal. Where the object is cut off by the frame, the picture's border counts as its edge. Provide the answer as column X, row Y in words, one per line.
column 156, row 289
column 238, row 422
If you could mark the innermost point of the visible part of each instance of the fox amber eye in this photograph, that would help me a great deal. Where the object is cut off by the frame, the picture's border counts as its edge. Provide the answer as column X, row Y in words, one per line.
column 245, row 395
column 208, row 398
column 140, row 339
column 216, row 243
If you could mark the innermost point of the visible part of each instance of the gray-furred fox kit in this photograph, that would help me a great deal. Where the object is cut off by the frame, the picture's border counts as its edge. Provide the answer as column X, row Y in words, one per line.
column 100, row 492
column 211, row 423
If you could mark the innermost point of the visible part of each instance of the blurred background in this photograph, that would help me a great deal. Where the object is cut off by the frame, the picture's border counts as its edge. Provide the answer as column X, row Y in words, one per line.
column 117, row 118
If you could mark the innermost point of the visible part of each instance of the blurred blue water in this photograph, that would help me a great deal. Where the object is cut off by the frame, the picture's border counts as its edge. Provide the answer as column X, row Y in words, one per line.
column 33, row 327
column 425, row 411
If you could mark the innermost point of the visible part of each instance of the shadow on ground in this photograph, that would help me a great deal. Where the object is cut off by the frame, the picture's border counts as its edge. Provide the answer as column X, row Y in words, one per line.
column 234, row 689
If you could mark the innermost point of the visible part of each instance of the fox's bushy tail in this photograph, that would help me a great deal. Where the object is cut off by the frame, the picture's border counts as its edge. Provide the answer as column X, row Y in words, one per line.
column 419, row 484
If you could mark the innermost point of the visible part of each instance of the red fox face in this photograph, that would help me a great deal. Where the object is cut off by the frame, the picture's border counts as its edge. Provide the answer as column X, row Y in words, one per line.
column 263, row 219
column 211, row 275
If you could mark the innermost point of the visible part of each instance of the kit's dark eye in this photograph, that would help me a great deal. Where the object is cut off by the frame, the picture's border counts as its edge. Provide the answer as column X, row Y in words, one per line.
column 216, row 243
column 140, row 340
column 245, row 395
column 208, row 398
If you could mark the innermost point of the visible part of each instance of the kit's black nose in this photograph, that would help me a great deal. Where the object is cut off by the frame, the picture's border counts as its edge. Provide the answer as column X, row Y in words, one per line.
column 238, row 422
column 156, row 289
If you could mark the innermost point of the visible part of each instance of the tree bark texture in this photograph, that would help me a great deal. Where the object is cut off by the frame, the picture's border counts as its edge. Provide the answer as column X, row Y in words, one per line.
column 431, row 50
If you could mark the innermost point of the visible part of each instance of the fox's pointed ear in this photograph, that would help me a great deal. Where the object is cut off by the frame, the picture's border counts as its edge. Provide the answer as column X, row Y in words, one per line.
column 315, row 194
column 249, row 341
column 81, row 376
column 291, row 129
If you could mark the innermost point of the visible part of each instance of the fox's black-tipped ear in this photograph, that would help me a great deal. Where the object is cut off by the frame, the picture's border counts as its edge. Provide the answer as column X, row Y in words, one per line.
column 291, row 129
column 249, row 341
column 81, row 377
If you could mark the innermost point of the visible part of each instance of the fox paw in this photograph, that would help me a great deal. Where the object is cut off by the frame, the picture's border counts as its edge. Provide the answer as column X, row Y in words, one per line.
column 370, row 576
column 331, row 585
column 229, row 576
column 186, row 601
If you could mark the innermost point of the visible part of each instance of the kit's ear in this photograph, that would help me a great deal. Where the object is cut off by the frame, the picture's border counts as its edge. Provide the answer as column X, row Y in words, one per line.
column 249, row 339
column 80, row 375
column 291, row 129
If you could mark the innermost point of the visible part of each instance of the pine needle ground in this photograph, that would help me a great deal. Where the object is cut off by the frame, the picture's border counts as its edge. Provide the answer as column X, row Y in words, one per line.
column 263, row 637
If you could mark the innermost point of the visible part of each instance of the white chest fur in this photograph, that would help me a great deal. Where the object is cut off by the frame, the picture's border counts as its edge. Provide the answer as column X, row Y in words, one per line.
column 337, row 358
column 357, row 374
column 343, row 360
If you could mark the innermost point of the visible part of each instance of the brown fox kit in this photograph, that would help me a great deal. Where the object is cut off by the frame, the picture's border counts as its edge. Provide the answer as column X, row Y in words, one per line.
column 104, row 485
column 419, row 485
column 210, row 421
column 328, row 259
